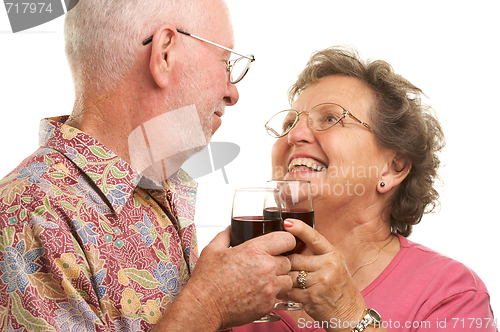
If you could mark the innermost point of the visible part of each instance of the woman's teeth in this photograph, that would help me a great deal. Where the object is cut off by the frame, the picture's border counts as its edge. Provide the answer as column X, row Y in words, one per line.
column 299, row 163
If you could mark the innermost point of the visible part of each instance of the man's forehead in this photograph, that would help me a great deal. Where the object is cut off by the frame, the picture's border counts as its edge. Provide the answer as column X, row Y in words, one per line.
column 218, row 23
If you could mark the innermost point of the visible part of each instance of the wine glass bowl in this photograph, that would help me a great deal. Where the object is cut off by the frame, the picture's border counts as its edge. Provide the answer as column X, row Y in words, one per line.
column 296, row 203
column 296, row 200
column 256, row 211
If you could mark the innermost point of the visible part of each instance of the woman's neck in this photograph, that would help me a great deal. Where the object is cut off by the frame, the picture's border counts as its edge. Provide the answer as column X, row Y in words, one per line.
column 362, row 236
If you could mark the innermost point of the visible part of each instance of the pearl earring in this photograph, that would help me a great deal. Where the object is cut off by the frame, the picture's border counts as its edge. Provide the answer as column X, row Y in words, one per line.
column 382, row 184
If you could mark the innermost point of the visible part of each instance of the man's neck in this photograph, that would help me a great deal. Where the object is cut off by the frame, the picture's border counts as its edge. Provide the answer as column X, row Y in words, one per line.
column 106, row 118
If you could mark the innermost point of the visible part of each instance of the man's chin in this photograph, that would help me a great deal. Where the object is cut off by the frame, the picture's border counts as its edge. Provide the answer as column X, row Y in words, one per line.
column 216, row 123
column 212, row 128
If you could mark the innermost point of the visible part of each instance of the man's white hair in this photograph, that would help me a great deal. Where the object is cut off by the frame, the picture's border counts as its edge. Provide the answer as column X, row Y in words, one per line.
column 103, row 36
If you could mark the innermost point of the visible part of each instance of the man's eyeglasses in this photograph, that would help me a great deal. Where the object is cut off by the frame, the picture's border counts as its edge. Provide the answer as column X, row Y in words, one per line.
column 320, row 117
column 237, row 68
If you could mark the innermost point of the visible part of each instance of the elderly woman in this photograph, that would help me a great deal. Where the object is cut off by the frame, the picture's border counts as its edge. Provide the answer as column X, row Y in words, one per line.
column 360, row 134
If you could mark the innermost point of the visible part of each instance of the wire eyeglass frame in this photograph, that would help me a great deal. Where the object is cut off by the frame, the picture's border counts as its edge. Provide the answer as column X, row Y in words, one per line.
column 230, row 64
column 345, row 112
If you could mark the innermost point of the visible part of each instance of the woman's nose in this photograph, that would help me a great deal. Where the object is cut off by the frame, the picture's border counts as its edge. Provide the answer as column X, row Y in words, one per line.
column 301, row 133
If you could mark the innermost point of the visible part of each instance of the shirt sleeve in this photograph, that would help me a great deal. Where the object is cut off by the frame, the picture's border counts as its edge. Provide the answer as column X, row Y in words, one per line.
column 466, row 311
column 42, row 289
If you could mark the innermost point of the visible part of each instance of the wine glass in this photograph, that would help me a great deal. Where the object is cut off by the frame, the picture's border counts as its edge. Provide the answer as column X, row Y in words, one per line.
column 256, row 211
column 296, row 200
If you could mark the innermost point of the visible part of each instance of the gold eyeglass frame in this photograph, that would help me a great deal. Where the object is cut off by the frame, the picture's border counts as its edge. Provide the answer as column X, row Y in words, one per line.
column 309, row 121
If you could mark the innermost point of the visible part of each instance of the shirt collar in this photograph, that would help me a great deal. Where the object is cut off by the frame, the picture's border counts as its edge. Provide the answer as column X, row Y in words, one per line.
column 114, row 177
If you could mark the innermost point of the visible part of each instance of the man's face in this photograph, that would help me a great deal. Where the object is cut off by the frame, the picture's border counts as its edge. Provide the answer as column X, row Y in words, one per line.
column 203, row 89
column 205, row 80
column 193, row 109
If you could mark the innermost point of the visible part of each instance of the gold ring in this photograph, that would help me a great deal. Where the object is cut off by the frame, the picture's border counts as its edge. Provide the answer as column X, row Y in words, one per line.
column 301, row 279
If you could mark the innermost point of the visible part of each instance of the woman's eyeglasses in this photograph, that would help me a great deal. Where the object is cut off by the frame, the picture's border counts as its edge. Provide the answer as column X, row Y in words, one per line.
column 320, row 117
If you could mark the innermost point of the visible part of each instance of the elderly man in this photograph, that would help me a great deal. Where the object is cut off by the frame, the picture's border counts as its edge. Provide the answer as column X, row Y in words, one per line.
column 97, row 228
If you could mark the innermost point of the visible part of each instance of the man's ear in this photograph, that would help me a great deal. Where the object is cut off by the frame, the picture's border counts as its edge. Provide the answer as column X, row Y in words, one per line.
column 397, row 171
column 163, row 54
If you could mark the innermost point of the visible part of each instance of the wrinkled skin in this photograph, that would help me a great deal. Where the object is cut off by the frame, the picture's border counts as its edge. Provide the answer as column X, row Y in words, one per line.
column 330, row 291
column 232, row 286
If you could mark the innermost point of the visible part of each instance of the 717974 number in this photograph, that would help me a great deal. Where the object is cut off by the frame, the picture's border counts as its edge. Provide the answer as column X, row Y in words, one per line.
column 474, row 322
column 28, row 7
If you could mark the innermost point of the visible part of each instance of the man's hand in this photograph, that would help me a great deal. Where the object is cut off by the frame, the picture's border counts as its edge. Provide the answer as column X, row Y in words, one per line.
column 245, row 279
column 234, row 286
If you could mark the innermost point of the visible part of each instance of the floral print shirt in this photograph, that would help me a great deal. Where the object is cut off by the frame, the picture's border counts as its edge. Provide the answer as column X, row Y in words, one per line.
column 82, row 246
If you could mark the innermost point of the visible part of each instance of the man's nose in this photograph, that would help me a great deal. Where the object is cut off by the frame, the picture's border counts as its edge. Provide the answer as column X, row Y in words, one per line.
column 232, row 94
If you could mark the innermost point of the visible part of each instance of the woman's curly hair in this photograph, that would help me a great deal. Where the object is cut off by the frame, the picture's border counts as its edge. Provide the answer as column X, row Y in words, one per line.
column 399, row 121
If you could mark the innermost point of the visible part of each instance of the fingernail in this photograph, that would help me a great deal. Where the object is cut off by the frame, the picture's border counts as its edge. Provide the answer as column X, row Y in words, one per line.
column 288, row 223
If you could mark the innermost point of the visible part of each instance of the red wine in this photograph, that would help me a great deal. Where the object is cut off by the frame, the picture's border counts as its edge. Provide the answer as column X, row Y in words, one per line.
column 306, row 216
column 246, row 228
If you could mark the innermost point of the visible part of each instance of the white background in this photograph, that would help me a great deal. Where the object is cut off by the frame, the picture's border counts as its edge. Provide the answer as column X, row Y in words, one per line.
column 450, row 49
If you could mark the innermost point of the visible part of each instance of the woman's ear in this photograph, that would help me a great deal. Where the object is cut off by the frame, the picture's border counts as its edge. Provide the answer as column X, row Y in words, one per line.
column 163, row 54
column 395, row 173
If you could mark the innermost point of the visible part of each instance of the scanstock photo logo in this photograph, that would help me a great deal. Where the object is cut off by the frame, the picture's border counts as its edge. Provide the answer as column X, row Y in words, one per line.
column 26, row 14
column 214, row 157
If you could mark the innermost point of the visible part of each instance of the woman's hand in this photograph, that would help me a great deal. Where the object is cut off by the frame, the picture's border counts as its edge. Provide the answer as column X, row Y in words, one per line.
column 330, row 292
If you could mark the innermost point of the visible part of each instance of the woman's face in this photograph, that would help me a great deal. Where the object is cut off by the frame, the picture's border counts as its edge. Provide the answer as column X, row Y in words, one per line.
column 348, row 150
